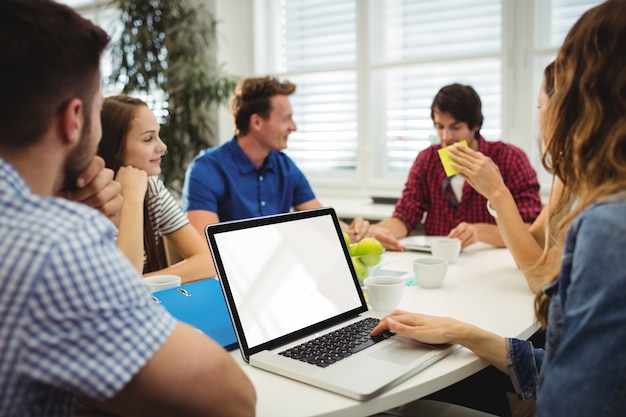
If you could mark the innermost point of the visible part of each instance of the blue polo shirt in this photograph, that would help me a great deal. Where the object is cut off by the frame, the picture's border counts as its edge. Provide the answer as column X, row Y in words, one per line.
column 225, row 181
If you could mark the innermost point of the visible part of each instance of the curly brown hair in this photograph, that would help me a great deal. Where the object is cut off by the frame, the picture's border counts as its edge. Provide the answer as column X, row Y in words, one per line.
column 585, row 123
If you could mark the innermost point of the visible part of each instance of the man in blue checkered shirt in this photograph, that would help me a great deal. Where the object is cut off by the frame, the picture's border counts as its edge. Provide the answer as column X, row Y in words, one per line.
column 76, row 322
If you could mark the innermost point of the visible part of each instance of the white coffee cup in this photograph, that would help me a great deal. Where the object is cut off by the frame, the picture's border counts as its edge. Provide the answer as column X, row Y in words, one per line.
column 384, row 293
column 430, row 272
column 446, row 247
column 162, row 282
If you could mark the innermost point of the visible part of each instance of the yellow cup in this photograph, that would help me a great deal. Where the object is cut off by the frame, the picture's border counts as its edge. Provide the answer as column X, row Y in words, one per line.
column 444, row 155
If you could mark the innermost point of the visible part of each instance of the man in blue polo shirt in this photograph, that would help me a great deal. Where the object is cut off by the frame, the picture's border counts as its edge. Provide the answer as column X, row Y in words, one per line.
column 250, row 176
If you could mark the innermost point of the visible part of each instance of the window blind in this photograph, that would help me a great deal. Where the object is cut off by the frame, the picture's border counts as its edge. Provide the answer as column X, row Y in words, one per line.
column 416, row 47
column 408, row 30
column 409, row 92
column 553, row 20
column 556, row 18
column 422, row 47
column 317, row 34
column 367, row 70
column 318, row 53
column 326, row 115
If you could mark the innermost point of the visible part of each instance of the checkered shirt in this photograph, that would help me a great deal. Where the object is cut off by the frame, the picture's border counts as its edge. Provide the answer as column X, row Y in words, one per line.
column 428, row 190
column 75, row 318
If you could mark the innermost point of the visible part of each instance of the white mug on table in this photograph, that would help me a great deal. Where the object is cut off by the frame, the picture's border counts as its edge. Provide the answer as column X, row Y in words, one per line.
column 162, row 282
column 446, row 247
column 384, row 293
column 430, row 272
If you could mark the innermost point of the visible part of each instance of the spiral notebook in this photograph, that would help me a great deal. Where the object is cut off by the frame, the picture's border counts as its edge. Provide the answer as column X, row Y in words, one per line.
column 201, row 304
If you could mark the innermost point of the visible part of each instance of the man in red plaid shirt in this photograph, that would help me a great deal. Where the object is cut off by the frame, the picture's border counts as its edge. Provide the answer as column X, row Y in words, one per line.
column 448, row 205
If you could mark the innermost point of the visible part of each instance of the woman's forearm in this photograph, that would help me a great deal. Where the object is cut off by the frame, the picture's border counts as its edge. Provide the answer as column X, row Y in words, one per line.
column 130, row 236
column 191, row 269
column 484, row 344
column 517, row 237
column 197, row 263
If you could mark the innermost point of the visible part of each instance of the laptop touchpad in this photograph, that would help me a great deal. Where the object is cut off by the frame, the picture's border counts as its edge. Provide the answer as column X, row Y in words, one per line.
column 400, row 353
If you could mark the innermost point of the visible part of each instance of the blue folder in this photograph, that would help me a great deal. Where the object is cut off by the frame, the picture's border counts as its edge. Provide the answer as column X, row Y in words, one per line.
column 201, row 304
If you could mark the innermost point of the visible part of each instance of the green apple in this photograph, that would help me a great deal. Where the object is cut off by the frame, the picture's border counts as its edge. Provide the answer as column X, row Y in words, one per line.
column 368, row 246
column 346, row 237
column 360, row 269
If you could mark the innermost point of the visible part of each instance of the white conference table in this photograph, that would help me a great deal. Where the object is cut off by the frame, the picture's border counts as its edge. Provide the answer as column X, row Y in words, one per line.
column 349, row 208
column 483, row 287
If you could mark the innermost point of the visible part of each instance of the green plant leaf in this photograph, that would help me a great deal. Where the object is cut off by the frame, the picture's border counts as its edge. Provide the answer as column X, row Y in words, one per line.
column 169, row 46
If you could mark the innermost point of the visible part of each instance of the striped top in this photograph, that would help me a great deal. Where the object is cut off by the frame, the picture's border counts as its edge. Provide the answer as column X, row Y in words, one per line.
column 165, row 214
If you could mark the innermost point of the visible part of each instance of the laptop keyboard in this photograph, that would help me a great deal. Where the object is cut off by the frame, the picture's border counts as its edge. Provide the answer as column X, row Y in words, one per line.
column 338, row 344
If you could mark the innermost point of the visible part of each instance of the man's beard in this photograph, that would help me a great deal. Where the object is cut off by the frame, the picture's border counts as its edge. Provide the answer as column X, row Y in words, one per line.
column 79, row 159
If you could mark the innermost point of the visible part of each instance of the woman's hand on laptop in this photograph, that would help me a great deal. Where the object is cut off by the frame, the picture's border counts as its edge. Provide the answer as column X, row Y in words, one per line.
column 444, row 330
column 425, row 329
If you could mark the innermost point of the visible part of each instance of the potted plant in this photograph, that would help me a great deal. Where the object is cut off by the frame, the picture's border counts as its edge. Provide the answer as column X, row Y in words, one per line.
column 167, row 49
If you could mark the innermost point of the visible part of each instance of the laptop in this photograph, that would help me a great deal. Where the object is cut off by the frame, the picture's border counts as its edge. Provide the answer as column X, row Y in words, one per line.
column 418, row 243
column 288, row 279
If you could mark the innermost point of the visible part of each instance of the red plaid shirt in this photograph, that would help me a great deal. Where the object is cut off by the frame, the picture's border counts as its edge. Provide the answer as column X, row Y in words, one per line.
column 428, row 190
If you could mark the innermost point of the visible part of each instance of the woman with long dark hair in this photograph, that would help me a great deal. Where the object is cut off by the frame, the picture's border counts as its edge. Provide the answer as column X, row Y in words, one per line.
column 132, row 148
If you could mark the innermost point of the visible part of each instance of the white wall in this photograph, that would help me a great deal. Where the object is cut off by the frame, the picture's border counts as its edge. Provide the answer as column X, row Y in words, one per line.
column 235, row 48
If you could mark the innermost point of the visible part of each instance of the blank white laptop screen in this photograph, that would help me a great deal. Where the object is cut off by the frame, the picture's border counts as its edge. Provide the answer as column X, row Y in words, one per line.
column 286, row 276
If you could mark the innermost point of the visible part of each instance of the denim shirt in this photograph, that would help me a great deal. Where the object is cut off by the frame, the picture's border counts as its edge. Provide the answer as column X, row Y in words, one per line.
column 582, row 372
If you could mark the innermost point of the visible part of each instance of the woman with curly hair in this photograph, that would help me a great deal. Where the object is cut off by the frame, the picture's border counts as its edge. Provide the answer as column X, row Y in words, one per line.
column 583, row 367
